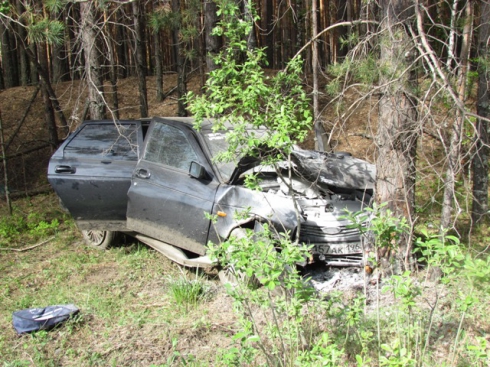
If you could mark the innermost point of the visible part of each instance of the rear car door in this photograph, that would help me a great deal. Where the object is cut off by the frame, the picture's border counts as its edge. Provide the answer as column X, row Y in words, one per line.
column 91, row 172
column 164, row 201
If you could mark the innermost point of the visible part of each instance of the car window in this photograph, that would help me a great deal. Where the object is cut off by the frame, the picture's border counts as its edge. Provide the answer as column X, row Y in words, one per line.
column 169, row 146
column 117, row 142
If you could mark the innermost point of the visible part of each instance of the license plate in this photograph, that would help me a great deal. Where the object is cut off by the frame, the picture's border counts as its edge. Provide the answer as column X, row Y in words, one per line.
column 339, row 249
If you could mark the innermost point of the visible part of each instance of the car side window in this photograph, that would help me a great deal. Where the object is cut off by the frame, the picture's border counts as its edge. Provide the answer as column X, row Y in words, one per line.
column 169, row 146
column 117, row 142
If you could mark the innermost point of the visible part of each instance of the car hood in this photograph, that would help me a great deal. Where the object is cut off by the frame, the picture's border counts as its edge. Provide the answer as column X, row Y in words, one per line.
column 325, row 169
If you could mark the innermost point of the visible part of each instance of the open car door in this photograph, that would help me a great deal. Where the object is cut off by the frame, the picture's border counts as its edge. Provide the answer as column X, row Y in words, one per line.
column 91, row 172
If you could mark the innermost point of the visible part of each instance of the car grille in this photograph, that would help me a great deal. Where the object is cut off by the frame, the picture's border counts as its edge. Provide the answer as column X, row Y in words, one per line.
column 343, row 260
column 311, row 233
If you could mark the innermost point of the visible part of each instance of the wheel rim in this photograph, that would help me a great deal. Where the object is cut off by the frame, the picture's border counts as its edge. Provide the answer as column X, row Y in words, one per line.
column 95, row 237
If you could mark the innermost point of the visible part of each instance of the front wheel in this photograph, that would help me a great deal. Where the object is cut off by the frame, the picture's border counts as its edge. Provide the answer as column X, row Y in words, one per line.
column 100, row 239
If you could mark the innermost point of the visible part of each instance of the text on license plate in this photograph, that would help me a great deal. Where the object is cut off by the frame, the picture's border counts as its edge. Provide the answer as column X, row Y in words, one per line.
column 339, row 249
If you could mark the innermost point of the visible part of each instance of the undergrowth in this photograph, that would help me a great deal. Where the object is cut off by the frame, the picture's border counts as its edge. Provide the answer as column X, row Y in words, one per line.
column 137, row 308
column 407, row 319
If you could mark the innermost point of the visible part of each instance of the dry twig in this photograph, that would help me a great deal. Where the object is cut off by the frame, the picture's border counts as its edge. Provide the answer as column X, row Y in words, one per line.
column 28, row 248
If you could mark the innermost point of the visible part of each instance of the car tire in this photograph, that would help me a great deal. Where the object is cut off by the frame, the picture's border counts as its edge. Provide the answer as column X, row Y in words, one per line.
column 100, row 239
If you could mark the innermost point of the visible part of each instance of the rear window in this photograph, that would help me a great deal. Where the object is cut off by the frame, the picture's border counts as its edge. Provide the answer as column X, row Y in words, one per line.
column 110, row 141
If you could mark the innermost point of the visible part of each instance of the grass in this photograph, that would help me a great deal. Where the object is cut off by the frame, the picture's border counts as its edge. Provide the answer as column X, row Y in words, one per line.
column 129, row 315
column 140, row 309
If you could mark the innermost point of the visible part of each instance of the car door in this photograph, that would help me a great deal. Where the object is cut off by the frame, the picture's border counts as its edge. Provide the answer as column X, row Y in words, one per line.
column 91, row 172
column 164, row 201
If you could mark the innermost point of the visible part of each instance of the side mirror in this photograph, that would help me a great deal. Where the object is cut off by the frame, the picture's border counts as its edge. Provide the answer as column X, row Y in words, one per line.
column 197, row 171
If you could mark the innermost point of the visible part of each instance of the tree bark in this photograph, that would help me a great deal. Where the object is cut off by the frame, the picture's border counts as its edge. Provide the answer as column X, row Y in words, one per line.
column 158, row 67
column 454, row 152
column 9, row 62
column 479, row 209
column 47, row 104
column 5, row 171
column 112, row 74
column 397, row 134
column 181, row 68
column 213, row 43
column 140, row 59
column 92, row 62
column 319, row 130
column 23, row 60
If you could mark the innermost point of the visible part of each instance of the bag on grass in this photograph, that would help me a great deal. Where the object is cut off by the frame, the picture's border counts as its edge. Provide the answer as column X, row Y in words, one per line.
column 33, row 319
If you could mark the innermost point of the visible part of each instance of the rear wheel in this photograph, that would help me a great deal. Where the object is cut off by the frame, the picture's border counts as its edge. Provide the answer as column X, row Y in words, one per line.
column 100, row 239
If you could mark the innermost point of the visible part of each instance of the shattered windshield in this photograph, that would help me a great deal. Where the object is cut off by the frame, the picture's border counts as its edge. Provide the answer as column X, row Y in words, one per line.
column 217, row 143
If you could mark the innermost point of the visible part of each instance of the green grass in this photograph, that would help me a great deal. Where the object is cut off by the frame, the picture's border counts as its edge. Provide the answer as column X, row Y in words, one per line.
column 139, row 309
column 128, row 315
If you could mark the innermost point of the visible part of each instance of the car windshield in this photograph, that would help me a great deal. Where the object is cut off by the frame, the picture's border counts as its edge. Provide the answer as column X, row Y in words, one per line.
column 217, row 143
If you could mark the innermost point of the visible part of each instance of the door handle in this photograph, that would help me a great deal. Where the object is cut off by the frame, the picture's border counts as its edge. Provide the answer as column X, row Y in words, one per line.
column 64, row 169
column 143, row 173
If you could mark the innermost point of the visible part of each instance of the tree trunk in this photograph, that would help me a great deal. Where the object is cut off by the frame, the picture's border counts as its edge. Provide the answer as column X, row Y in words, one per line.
column 92, row 62
column 158, row 67
column 47, row 104
column 454, row 152
column 140, row 59
column 397, row 134
column 247, row 10
column 5, row 171
column 112, row 76
column 121, row 46
column 9, row 62
column 181, row 68
column 213, row 43
column 319, row 130
column 23, row 60
column 479, row 207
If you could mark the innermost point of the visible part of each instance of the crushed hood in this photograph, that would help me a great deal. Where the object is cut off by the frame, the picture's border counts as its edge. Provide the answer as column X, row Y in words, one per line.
column 334, row 169
column 324, row 169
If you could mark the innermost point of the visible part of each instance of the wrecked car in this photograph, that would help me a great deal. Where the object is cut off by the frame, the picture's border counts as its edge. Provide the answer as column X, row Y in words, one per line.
column 155, row 180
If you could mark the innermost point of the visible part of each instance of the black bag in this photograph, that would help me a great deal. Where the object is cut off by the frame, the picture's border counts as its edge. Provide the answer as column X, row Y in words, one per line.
column 33, row 319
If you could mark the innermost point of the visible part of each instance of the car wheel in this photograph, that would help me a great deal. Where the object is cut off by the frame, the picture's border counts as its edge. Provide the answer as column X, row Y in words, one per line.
column 100, row 239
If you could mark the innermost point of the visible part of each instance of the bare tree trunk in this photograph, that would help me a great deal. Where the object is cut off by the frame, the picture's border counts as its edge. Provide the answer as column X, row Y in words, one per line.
column 112, row 76
column 181, row 68
column 121, row 46
column 140, row 59
column 213, row 43
column 5, row 172
column 45, row 83
column 92, row 62
column 319, row 130
column 48, row 106
column 454, row 153
column 247, row 9
column 23, row 60
column 480, row 159
column 9, row 64
column 397, row 134
column 31, row 52
column 158, row 67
